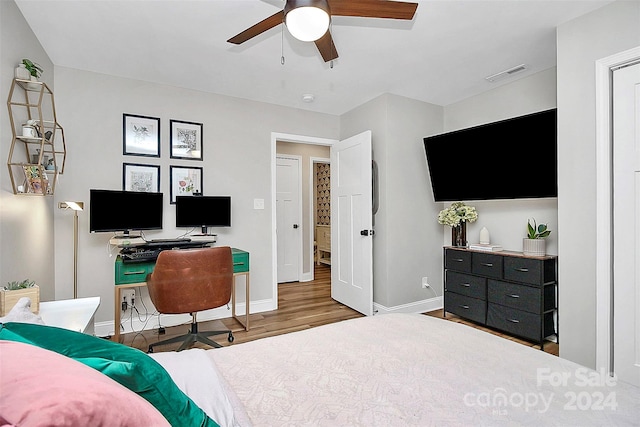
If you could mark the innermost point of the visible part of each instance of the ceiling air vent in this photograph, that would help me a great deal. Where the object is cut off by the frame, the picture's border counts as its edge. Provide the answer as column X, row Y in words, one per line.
column 506, row 73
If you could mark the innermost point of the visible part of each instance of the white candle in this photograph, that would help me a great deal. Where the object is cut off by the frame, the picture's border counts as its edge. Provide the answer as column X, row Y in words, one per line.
column 484, row 236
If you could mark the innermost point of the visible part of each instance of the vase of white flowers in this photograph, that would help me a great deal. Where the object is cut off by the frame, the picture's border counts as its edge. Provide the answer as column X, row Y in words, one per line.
column 456, row 216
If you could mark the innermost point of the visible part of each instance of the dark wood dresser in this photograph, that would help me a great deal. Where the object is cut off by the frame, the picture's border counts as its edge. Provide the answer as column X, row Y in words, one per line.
column 504, row 290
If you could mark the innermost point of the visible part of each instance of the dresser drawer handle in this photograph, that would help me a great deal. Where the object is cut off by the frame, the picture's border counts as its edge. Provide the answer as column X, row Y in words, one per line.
column 130, row 273
column 513, row 320
column 487, row 264
column 523, row 270
column 238, row 263
column 457, row 259
column 513, row 295
column 466, row 307
column 466, row 285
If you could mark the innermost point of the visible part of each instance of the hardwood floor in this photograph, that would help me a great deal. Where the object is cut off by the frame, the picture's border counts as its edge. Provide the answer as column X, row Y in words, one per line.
column 300, row 306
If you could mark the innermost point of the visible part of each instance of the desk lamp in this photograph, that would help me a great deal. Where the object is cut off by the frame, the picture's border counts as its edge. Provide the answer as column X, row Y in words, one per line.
column 75, row 206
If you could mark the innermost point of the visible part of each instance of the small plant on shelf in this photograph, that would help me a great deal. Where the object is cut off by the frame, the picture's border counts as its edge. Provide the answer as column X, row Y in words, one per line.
column 14, row 286
column 34, row 68
column 537, row 231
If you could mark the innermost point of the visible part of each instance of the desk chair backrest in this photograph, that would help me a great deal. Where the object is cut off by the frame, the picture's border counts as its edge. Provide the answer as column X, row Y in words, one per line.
column 191, row 280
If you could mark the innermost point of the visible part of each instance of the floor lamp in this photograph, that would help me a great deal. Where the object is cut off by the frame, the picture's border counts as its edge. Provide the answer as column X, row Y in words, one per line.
column 75, row 206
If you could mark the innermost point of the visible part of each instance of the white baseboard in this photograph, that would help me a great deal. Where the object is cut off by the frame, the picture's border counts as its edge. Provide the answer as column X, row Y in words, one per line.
column 150, row 321
column 414, row 307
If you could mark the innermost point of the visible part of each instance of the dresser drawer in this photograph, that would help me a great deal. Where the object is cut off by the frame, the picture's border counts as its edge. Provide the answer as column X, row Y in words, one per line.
column 133, row 272
column 467, row 307
column 487, row 265
column 240, row 260
column 457, row 260
column 524, row 270
column 465, row 284
column 514, row 321
column 516, row 296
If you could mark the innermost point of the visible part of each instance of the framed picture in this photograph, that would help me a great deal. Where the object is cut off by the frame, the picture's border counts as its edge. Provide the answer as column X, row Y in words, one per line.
column 185, row 181
column 140, row 135
column 143, row 178
column 186, row 140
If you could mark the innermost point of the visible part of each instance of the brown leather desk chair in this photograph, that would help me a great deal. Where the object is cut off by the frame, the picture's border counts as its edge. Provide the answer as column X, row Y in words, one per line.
column 188, row 281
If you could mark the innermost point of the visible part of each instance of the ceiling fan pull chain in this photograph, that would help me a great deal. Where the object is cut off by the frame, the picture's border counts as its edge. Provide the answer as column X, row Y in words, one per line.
column 333, row 46
column 282, row 44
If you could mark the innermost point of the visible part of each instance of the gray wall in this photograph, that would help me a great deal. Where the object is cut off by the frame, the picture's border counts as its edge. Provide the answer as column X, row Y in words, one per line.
column 506, row 220
column 26, row 222
column 581, row 42
column 237, row 162
column 407, row 244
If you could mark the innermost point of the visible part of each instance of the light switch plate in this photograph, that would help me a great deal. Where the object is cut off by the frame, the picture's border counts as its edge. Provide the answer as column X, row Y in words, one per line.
column 258, row 203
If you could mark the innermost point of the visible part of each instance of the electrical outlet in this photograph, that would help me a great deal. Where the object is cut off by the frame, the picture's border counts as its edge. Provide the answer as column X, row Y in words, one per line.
column 128, row 295
column 425, row 282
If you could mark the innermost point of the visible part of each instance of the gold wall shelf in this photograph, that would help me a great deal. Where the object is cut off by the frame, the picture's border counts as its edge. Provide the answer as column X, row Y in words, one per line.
column 35, row 160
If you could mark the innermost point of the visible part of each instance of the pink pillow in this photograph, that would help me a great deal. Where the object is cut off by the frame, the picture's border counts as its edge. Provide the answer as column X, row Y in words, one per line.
column 39, row 387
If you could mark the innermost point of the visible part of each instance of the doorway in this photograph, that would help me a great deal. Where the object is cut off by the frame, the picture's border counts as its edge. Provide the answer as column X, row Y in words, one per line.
column 311, row 150
column 606, row 329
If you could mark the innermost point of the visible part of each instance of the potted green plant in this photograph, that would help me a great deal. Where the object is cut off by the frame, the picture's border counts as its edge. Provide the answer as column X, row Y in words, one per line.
column 34, row 68
column 13, row 291
column 535, row 244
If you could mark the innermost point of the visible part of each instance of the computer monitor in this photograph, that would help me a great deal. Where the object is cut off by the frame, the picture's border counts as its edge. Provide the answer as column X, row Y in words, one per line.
column 203, row 212
column 124, row 211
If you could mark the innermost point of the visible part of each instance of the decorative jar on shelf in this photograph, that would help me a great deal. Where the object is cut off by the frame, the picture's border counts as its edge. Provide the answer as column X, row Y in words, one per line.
column 22, row 73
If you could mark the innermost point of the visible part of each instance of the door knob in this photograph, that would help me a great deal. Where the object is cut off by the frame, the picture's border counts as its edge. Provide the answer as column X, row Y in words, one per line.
column 295, row 225
column 367, row 232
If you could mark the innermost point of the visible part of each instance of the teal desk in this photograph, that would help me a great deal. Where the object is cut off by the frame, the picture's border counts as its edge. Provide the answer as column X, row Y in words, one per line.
column 134, row 275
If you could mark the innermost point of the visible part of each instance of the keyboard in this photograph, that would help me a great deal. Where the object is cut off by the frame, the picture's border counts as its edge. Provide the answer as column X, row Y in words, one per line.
column 180, row 240
column 140, row 255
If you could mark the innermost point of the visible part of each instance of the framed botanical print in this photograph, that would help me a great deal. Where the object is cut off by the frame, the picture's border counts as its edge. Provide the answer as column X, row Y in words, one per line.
column 184, row 181
column 185, row 140
column 144, row 178
column 140, row 135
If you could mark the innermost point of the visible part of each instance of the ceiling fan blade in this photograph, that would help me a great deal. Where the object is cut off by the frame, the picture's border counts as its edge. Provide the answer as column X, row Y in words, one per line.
column 259, row 28
column 373, row 8
column 326, row 47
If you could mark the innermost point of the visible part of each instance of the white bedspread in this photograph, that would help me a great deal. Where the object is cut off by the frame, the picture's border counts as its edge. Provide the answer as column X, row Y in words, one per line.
column 402, row 370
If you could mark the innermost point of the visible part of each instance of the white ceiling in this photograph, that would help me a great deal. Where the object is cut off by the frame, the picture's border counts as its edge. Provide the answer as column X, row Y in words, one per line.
column 441, row 57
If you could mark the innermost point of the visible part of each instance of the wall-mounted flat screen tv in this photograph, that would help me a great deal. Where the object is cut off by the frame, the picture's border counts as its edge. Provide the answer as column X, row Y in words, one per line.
column 124, row 211
column 203, row 211
column 510, row 159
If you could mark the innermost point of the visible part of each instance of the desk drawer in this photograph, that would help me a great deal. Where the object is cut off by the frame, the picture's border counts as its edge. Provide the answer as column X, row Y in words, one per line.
column 467, row 307
column 132, row 273
column 240, row 261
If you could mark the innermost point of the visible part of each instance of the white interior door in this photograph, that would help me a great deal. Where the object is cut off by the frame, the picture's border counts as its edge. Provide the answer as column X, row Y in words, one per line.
column 351, row 223
column 288, row 216
column 626, row 220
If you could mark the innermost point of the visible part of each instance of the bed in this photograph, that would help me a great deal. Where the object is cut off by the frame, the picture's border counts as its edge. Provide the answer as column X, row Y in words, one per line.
column 394, row 370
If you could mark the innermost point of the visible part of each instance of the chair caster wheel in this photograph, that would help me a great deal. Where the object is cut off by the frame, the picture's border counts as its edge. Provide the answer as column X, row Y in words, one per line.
column 150, row 350
column 230, row 338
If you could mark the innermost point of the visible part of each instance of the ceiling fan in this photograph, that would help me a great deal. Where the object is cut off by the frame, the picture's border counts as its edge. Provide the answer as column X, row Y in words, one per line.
column 308, row 20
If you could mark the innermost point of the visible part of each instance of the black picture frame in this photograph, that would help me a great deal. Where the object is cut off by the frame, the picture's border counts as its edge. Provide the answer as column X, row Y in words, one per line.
column 139, row 177
column 185, row 140
column 140, row 135
column 184, row 181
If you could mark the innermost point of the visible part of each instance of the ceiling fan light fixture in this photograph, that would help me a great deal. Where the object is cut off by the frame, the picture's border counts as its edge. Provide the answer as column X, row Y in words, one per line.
column 307, row 20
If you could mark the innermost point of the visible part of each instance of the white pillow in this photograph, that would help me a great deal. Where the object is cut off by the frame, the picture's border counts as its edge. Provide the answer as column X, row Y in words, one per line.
column 21, row 312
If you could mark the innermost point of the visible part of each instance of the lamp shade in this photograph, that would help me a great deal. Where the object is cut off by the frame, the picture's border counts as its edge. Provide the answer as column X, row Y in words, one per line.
column 307, row 20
